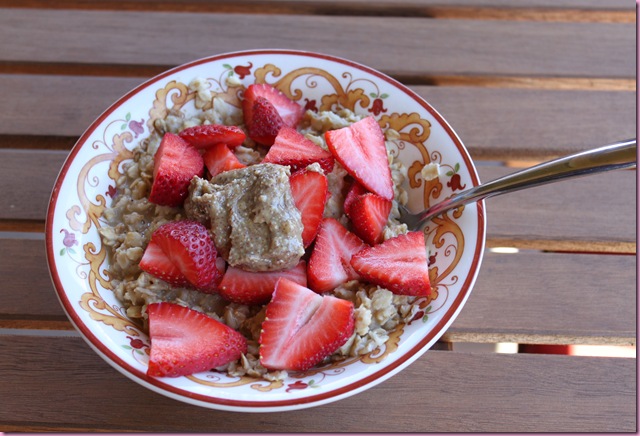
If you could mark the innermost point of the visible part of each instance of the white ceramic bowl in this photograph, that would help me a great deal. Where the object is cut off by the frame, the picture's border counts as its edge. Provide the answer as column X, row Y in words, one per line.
column 77, row 259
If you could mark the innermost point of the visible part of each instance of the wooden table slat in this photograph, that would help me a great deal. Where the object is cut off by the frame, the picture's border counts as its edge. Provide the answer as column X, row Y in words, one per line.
column 316, row 6
column 522, row 297
column 392, row 44
column 493, row 123
column 537, row 218
column 489, row 393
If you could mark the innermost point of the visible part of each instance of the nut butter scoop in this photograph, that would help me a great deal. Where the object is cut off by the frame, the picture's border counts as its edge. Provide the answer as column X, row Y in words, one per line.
column 255, row 223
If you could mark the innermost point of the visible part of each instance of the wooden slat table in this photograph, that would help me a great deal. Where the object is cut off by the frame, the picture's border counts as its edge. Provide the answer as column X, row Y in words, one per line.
column 519, row 81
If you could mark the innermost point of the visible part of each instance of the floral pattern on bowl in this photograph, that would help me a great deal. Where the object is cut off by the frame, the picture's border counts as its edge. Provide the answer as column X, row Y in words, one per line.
column 77, row 259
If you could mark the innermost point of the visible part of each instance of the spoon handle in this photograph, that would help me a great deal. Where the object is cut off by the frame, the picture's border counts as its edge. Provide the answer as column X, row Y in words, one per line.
column 615, row 156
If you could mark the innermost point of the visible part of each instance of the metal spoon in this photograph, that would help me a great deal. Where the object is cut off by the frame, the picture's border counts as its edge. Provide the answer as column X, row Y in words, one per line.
column 620, row 155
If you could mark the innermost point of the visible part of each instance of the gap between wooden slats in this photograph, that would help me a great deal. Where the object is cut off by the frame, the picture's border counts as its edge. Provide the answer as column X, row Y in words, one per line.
column 395, row 45
column 459, row 392
column 584, row 11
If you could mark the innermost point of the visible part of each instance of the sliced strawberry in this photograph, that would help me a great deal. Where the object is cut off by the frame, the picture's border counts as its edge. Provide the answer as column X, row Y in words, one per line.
column 207, row 135
column 185, row 341
column 399, row 264
column 219, row 158
column 329, row 264
column 248, row 287
column 310, row 191
column 176, row 162
column 292, row 148
column 361, row 150
column 301, row 328
column 290, row 111
column 265, row 122
column 158, row 264
column 369, row 214
column 190, row 249
column 355, row 190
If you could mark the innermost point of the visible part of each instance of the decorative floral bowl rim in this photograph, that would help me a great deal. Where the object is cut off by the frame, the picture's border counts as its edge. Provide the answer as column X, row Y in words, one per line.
column 456, row 243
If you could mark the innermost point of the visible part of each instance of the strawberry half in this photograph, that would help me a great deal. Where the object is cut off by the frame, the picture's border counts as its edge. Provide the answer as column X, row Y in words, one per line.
column 207, row 135
column 265, row 122
column 248, row 287
column 310, row 190
column 292, row 148
column 329, row 264
column 185, row 341
column 369, row 214
column 176, row 162
column 159, row 265
column 360, row 149
column 219, row 158
column 290, row 111
column 301, row 328
column 399, row 264
column 190, row 249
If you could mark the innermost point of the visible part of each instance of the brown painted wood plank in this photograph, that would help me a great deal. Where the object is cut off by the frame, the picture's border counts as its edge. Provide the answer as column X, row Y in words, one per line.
column 57, row 105
column 594, row 213
column 520, row 297
column 398, row 45
column 539, row 124
column 539, row 218
column 551, row 298
column 22, row 199
column 28, row 292
column 544, row 10
column 458, row 392
column 494, row 123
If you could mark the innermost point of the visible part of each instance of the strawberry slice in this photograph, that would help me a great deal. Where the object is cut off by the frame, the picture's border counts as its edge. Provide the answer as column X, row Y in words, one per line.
column 190, row 249
column 360, row 149
column 310, row 190
column 265, row 122
column 369, row 214
column 329, row 264
column 399, row 264
column 292, row 148
column 219, row 158
column 248, row 287
column 185, row 341
column 207, row 135
column 355, row 190
column 176, row 162
column 158, row 264
column 290, row 111
column 301, row 328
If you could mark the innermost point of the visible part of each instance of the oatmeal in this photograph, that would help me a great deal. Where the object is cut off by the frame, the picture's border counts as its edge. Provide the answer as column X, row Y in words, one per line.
column 255, row 226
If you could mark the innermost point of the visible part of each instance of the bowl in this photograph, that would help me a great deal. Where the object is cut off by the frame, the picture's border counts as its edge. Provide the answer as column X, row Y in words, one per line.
column 78, row 260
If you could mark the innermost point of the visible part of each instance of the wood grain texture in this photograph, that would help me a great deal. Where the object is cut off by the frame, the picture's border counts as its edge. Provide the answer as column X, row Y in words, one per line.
column 14, row 164
column 568, row 10
column 522, row 297
column 493, row 123
column 546, row 217
column 551, row 298
column 536, row 218
column 458, row 392
column 397, row 45
column 501, row 124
